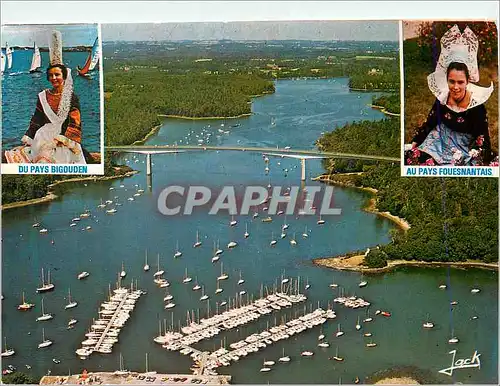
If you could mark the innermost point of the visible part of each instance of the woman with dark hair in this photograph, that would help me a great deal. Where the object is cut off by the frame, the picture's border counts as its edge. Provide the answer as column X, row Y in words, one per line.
column 54, row 132
column 456, row 129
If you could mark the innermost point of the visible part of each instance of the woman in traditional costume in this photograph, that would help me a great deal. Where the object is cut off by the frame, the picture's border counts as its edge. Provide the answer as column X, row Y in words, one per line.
column 456, row 129
column 54, row 132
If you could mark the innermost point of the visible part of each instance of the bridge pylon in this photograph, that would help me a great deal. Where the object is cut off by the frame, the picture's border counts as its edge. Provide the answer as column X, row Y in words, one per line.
column 303, row 169
column 148, row 164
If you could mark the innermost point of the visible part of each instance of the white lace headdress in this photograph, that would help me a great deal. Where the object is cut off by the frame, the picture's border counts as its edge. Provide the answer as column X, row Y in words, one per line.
column 462, row 48
column 56, row 57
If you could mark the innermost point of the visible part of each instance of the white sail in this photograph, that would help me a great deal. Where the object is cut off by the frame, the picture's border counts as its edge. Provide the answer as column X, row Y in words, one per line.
column 8, row 53
column 3, row 62
column 36, row 61
column 96, row 53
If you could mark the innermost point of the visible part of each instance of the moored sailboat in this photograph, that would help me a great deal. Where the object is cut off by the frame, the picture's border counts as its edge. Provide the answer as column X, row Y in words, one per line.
column 92, row 60
column 36, row 60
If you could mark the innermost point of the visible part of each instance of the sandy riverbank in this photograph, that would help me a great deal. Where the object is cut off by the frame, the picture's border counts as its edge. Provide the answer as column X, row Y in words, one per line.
column 50, row 196
column 152, row 132
column 384, row 110
column 353, row 262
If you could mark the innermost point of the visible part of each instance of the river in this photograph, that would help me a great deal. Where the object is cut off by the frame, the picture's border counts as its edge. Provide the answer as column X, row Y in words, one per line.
column 294, row 116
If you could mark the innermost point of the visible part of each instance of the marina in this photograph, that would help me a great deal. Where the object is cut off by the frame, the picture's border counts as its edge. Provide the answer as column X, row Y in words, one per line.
column 104, row 332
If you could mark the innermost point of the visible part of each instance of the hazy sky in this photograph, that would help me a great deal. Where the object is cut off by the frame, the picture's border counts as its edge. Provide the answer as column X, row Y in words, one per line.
column 25, row 35
column 272, row 30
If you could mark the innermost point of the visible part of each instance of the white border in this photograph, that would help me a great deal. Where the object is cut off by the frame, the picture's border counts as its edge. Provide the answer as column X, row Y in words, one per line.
column 14, row 12
column 446, row 171
column 14, row 169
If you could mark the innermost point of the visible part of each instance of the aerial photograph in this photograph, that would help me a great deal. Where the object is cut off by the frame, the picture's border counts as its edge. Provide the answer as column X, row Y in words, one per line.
column 204, row 256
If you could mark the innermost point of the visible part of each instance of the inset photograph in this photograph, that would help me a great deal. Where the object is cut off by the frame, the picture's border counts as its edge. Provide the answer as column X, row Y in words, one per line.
column 450, row 95
column 51, row 99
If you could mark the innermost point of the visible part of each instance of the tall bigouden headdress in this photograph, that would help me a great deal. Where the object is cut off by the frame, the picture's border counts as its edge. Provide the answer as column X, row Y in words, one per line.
column 462, row 48
column 56, row 57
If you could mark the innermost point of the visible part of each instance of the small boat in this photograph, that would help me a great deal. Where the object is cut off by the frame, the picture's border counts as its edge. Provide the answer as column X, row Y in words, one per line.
column 45, row 342
column 475, row 290
column 146, row 265
column 44, row 230
column 223, row 276
column 56, row 361
column 218, row 289
column 283, row 235
column 428, row 325
column 454, row 303
column 336, row 357
column 324, row 344
column 307, row 284
column 305, row 235
column 232, row 244
column 367, row 334
column 25, row 306
column 339, row 332
column 215, row 258
column 7, row 352
column 177, row 252
column 442, row 286
column 169, row 305
column 196, row 287
column 83, row 275
column 241, row 281
column 198, row 242
column 186, row 279
column 246, row 235
column 45, row 286
column 267, row 219
column 321, row 336
column 255, row 215
column 159, row 272
column 371, row 344
column 36, row 225
column 306, row 353
column 111, row 211
column 453, row 338
column 273, row 241
column 358, row 326
column 284, row 358
column 223, row 303
column 123, row 273
column 293, row 241
column 72, row 322
column 320, row 221
column 385, row 313
column 203, row 295
column 242, row 292
column 363, row 284
column 265, row 369
column 71, row 304
column 233, row 222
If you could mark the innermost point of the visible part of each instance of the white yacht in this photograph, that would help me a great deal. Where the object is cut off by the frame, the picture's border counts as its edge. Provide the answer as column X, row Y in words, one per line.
column 71, row 304
column 45, row 342
column 83, row 275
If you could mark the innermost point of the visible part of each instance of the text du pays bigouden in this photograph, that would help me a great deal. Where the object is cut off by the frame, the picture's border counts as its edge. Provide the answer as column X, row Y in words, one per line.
column 175, row 199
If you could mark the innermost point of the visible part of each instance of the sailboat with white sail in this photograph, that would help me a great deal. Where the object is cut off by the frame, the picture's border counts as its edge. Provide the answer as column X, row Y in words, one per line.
column 8, row 54
column 92, row 60
column 36, row 60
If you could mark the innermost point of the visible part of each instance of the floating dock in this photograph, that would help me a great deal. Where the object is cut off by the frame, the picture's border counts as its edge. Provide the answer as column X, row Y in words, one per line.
column 104, row 332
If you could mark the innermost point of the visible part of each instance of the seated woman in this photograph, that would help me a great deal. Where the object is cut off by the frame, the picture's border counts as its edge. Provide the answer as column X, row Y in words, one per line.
column 54, row 132
column 456, row 130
